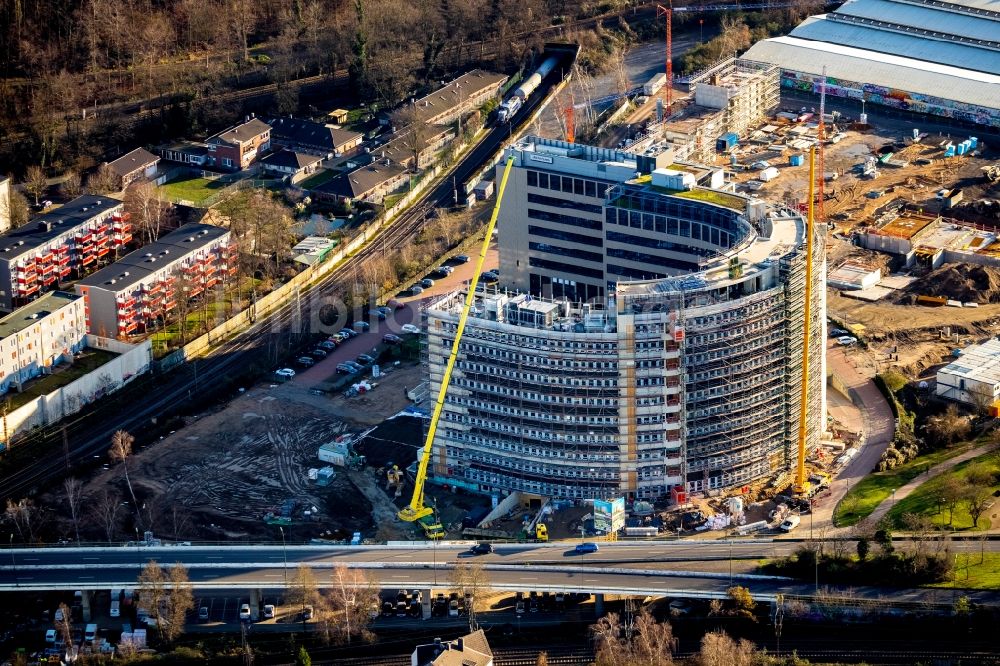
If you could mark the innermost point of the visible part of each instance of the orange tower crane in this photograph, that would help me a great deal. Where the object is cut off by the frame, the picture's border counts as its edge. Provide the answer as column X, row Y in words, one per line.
column 821, row 137
column 668, row 12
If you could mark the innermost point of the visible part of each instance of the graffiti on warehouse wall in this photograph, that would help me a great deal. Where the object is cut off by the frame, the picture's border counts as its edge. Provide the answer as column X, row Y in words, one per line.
column 892, row 97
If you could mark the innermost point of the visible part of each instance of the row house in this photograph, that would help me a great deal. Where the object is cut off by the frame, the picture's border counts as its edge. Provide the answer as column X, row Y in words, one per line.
column 138, row 292
column 139, row 164
column 68, row 242
column 42, row 334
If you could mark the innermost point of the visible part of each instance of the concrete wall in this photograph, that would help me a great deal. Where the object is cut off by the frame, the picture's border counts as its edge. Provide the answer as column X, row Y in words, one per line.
column 888, row 244
column 132, row 361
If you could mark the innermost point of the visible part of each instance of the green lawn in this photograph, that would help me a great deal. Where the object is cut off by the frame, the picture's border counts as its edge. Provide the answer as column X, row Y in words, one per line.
column 63, row 374
column 711, row 196
column 195, row 190
column 874, row 488
column 215, row 311
column 318, row 178
column 974, row 571
column 925, row 500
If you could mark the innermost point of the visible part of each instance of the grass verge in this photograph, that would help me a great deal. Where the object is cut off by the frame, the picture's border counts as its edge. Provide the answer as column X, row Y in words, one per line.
column 875, row 488
column 974, row 571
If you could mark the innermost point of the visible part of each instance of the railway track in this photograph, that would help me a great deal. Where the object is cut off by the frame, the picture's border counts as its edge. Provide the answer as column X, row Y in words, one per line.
column 88, row 435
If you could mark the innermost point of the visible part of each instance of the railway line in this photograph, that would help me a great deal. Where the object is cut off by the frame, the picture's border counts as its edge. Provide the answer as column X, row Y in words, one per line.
column 88, row 435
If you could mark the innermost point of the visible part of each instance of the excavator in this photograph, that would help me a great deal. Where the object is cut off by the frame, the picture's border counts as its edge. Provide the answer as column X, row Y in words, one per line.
column 417, row 510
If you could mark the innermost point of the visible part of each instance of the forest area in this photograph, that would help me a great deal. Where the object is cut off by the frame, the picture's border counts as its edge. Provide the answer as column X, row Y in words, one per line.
column 75, row 72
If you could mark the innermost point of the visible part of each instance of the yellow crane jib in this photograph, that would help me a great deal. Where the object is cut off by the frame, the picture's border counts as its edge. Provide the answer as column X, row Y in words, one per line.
column 801, row 484
column 416, row 510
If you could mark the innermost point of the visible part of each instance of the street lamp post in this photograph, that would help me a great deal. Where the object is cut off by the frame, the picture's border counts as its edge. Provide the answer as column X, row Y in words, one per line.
column 284, row 556
column 13, row 564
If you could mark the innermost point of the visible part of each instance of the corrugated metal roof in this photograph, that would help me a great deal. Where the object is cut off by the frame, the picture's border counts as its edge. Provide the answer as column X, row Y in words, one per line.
column 985, row 5
column 861, row 65
column 910, row 46
column 979, row 363
column 924, row 18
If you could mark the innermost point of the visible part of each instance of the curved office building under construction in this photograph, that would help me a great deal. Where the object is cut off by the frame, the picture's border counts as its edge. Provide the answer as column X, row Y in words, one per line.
column 646, row 339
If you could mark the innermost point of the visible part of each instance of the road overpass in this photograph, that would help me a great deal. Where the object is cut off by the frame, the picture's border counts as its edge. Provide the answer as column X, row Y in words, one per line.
column 639, row 569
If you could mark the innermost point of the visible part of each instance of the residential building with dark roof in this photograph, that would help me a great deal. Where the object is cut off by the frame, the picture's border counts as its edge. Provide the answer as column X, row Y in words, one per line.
column 470, row 650
column 367, row 183
column 68, row 241
column 309, row 137
column 130, row 167
column 291, row 163
column 134, row 293
column 185, row 152
column 40, row 335
column 461, row 96
column 238, row 147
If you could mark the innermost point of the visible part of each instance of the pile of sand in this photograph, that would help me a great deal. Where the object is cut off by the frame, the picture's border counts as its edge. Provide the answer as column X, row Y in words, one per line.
column 968, row 283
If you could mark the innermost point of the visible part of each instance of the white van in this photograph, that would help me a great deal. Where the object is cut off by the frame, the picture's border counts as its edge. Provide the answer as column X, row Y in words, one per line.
column 790, row 524
column 91, row 633
column 115, row 608
column 50, row 636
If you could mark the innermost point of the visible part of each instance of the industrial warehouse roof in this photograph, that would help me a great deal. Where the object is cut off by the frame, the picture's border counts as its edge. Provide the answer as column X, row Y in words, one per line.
column 980, row 363
column 872, row 38
column 44, row 228
column 135, row 266
column 891, row 71
column 929, row 19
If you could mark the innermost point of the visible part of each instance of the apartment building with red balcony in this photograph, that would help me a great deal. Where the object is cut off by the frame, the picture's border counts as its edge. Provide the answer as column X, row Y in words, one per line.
column 66, row 243
column 139, row 291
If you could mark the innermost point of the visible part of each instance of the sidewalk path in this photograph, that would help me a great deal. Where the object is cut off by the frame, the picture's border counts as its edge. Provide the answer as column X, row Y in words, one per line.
column 878, row 430
column 886, row 505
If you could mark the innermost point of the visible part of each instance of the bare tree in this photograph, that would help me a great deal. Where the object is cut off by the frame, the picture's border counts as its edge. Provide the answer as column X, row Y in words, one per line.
column 121, row 449
column 178, row 603
column 16, row 209
column 977, row 500
column 103, row 181
column 152, row 589
column 303, row 590
column 953, row 491
column 149, row 213
column 949, row 427
column 24, row 515
column 412, row 129
column 63, row 624
column 718, row 649
column 35, row 182
column 72, row 185
column 73, row 488
column 473, row 584
column 104, row 510
column 542, row 659
column 648, row 643
column 353, row 597
column 180, row 519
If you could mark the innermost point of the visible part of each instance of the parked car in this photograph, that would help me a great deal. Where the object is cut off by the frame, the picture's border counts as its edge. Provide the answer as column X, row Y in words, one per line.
column 327, row 345
column 306, row 361
column 416, row 289
column 203, row 613
column 381, row 315
column 361, row 326
column 391, row 339
column 427, row 283
column 307, row 613
column 838, row 332
column 584, row 548
column 286, row 373
column 365, row 359
column 245, row 612
column 388, row 609
column 349, row 332
column 790, row 523
column 462, row 258
column 394, row 303
column 384, row 309
column 847, row 340
column 481, row 549
column 453, row 608
column 268, row 611
column 410, row 328
column 318, row 353
column 337, row 338
column 345, row 369
column 489, row 277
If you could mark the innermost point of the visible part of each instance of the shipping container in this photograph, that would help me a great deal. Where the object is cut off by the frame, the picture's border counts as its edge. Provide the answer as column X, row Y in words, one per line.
column 726, row 142
column 796, row 160
column 653, row 86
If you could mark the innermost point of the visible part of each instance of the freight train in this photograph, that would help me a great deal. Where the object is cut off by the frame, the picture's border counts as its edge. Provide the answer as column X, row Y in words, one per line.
column 512, row 104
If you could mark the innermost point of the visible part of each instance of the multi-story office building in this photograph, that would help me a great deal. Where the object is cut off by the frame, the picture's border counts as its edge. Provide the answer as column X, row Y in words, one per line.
column 70, row 241
column 141, row 289
column 40, row 335
column 648, row 340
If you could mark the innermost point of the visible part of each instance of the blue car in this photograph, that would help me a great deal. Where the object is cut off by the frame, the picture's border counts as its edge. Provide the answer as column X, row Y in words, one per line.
column 584, row 548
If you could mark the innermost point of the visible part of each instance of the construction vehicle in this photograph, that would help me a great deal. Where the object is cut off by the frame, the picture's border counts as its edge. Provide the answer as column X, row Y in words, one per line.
column 394, row 480
column 417, row 510
column 541, row 532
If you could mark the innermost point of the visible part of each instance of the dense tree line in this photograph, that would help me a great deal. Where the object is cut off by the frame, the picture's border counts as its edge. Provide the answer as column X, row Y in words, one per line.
column 64, row 63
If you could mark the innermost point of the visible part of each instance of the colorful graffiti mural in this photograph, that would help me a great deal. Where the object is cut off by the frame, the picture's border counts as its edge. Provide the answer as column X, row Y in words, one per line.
column 892, row 97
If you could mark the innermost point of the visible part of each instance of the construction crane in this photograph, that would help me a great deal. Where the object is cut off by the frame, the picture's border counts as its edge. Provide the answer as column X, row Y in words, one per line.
column 417, row 510
column 821, row 138
column 668, row 13
column 802, row 486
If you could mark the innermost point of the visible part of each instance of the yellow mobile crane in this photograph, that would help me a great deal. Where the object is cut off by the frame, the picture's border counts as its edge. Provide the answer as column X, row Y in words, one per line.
column 417, row 510
column 802, row 486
